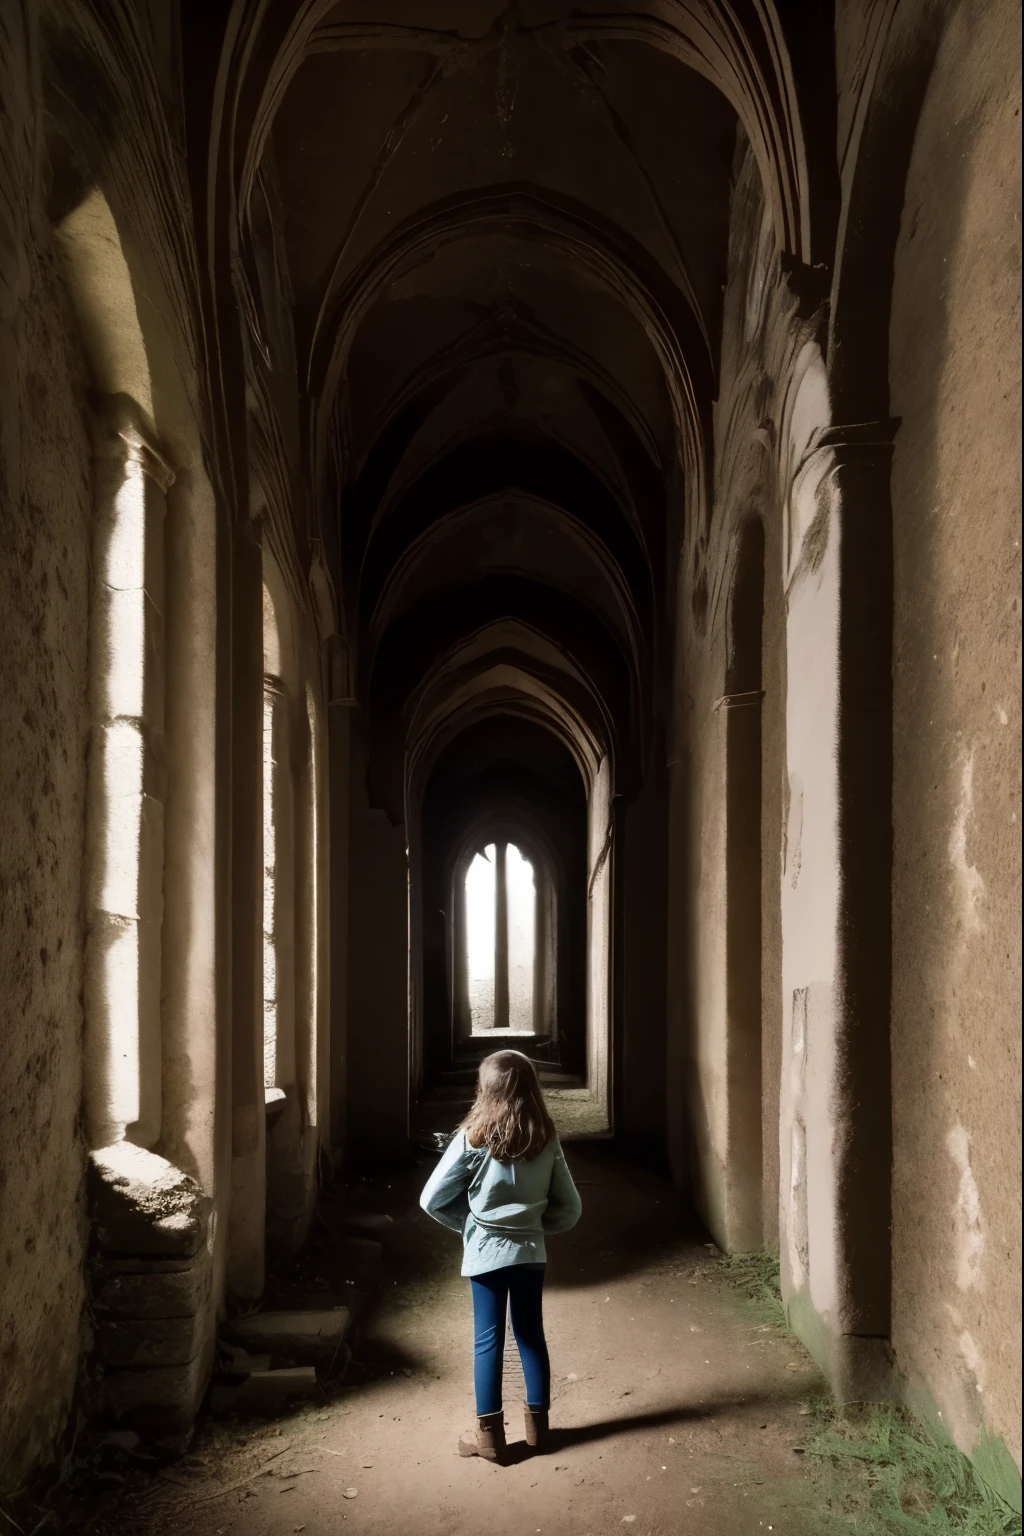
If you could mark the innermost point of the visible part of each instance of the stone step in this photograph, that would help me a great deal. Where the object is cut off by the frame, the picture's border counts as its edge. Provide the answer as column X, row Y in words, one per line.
column 239, row 1362
column 367, row 1221
column 265, row 1391
column 307, row 1338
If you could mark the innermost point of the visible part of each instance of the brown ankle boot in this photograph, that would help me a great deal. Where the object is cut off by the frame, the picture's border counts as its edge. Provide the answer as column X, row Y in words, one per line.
column 488, row 1440
column 536, row 1426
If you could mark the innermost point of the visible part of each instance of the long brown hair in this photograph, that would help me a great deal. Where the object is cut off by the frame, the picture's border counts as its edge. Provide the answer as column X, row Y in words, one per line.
column 509, row 1116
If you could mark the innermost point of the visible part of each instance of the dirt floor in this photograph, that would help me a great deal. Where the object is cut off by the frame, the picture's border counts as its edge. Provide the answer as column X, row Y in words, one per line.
column 680, row 1405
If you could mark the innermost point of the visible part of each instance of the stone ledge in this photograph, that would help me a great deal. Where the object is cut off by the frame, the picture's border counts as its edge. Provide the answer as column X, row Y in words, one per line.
column 142, row 1204
column 150, row 1278
column 302, row 1337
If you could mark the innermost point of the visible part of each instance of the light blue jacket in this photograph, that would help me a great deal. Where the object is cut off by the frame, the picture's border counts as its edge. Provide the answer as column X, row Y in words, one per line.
column 503, row 1210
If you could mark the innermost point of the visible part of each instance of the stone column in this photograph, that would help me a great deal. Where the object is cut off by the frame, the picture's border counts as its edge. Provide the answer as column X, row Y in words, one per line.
column 247, row 1220
column 862, row 468
column 835, row 1112
column 194, row 1053
column 339, row 710
column 545, row 950
column 462, row 1023
column 500, row 938
column 742, row 1214
column 600, row 871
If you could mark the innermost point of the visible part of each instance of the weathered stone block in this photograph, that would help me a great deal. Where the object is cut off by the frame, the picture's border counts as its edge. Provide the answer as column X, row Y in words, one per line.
column 142, row 1204
column 163, row 1399
column 148, row 1291
column 138, row 1343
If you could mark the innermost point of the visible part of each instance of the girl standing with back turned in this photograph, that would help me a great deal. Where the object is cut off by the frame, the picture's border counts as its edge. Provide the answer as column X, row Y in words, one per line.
column 504, row 1184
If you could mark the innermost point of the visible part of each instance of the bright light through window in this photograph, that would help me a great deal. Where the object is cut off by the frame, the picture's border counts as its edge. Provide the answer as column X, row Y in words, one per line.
column 122, row 629
column 522, row 920
column 314, row 874
column 122, row 788
column 269, row 865
column 124, row 577
column 480, row 892
column 500, row 958
column 121, row 988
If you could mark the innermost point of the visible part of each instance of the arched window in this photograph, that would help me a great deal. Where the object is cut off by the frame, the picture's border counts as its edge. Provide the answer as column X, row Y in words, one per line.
column 278, row 862
column 521, row 915
column 294, row 1017
column 272, row 903
column 127, row 642
column 501, row 940
column 480, row 938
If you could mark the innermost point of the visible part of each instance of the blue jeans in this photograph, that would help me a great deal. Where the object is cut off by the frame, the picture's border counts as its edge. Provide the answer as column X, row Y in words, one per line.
column 518, row 1288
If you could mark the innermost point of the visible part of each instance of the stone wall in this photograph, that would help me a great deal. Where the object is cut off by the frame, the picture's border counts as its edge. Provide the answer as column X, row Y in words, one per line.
column 947, row 85
column 45, row 517
column 640, row 1023
column 713, row 1067
column 955, row 383
column 378, row 1013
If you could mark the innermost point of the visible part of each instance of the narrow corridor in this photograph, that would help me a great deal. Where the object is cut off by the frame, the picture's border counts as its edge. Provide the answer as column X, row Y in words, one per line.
column 509, row 536
column 679, row 1404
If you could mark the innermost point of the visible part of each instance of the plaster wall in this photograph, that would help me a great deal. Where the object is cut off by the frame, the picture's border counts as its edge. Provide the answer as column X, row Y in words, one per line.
column 955, row 383
column 45, row 517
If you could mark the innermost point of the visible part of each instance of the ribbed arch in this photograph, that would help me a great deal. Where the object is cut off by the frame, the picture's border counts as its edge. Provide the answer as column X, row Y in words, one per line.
column 747, row 59
column 610, row 257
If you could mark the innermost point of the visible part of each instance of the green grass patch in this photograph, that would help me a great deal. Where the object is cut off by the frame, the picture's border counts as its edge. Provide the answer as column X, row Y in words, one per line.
column 888, row 1476
column 757, row 1275
column 878, row 1470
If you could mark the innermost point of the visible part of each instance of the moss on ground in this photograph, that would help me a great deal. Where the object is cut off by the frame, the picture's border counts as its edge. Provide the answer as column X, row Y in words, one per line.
column 757, row 1275
column 878, row 1470
column 888, row 1475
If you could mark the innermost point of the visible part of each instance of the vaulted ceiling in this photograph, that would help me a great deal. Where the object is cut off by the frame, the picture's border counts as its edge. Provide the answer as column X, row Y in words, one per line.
column 505, row 228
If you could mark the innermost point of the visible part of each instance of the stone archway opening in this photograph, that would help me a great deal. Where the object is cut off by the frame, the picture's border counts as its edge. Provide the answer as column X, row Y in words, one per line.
column 514, row 957
column 504, row 866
